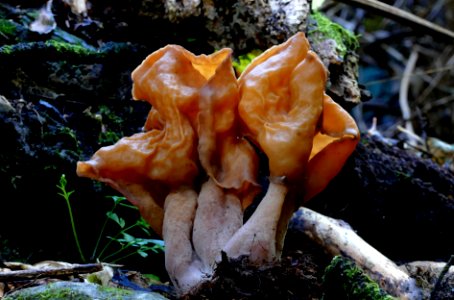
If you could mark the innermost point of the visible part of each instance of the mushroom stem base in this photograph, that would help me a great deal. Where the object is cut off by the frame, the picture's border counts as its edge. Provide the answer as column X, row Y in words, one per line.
column 219, row 215
column 184, row 267
column 256, row 239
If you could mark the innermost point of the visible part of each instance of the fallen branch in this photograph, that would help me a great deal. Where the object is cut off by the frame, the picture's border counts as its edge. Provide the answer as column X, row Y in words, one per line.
column 75, row 269
column 401, row 16
column 338, row 238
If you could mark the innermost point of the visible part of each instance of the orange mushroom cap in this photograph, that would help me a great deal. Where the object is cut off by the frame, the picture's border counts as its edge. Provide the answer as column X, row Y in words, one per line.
column 197, row 108
column 225, row 155
column 332, row 146
column 304, row 133
column 190, row 96
column 281, row 102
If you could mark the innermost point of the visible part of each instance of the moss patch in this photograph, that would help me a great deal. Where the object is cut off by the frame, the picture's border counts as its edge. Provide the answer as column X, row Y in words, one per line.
column 52, row 293
column 63, row 290
column 326, row 29
column 344, row 280
column 7, row 28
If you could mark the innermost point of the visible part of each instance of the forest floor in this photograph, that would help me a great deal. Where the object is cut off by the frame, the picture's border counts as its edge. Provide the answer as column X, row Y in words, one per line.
column 59, row 105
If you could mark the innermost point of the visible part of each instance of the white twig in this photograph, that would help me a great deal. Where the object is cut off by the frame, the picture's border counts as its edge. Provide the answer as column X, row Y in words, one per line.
column 338, row 238
column 403, row 95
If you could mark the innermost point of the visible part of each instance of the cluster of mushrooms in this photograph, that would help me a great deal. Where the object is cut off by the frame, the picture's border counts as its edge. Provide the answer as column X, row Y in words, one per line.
column 193, row 170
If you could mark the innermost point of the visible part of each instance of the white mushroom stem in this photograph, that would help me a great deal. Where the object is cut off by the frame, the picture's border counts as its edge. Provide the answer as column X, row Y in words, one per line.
column 184, row 267
column 256, row 239
column 219, row 215
column 338, row 238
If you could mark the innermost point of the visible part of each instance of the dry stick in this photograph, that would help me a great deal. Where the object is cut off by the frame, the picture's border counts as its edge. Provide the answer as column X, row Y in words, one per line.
column 49, row 272
column 440, row 102
column 338, row 238
column 420, row 73
column 400, row 15
column 442, row 275
column 403, row 95
column 435, row 81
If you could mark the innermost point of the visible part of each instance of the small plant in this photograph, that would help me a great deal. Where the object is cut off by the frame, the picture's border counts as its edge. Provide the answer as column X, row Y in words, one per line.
column 129, row 245
column 65, row 194
column 127, row 241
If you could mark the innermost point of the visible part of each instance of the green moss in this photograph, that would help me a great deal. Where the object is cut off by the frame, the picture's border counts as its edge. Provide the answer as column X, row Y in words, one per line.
column 108, row 137
column 51, row 49
column 7, row 49
column 344, row 280
column 53, row 294
column 244, row 60
column 57, row 49
column 7, row 28
column 109, row 115
column 115, row 291
column 110, row 124
column 325, row 28
column 58, row 292
column 65, row 47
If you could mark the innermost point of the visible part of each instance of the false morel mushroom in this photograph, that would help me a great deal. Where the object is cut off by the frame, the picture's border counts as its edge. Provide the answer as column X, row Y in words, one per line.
column 194, row 169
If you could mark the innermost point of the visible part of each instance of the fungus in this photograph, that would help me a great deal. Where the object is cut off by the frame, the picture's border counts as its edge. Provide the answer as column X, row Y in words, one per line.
column 193, row 170
column 306, row 136
column 192, row 126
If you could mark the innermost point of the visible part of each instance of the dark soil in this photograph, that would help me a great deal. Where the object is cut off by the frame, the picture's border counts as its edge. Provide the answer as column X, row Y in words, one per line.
column 297, row 276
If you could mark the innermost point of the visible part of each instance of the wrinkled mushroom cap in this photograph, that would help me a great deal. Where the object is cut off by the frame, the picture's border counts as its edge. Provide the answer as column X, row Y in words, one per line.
column 281, row 101
column 332, row 146
column 306, row 136
column 200, row 113
column 190, row 96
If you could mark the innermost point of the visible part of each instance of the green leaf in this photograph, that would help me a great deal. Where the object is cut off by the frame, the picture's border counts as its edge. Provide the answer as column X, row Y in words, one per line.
column 114, row 217
column 142, row 223
column 159, row 243
column 128, row 238
column 152, row 277
column 145, row 230
column 117, row 199
column 142, row 253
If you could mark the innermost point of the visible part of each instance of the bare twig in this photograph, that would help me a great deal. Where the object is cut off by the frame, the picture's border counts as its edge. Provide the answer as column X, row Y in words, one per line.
column 338, row 238
column 403, row 94
column 419, row 73
column 436, row 80
column 400, row 16
column 10, row 276
column 442, row 275
column 440, row 102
